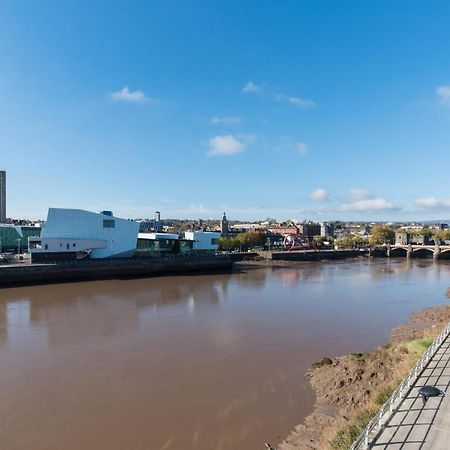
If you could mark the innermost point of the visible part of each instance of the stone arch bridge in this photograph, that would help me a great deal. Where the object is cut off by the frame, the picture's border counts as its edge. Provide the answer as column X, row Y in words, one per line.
column 410, row 249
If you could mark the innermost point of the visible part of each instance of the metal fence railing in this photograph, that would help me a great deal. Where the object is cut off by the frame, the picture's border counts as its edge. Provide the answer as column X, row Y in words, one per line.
column 386, row 411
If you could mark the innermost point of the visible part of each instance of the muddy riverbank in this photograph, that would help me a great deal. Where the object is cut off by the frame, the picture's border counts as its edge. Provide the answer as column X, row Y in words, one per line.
column 353, row 386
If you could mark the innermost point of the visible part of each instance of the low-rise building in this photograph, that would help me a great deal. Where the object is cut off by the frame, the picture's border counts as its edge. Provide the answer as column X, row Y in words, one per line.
column 287, row 229
column 185, row 242
column 309, row 230
column 202, row 240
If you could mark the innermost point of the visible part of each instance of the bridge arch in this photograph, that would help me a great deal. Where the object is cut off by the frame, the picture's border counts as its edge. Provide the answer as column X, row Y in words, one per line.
column 424, row 249
column 398, row 251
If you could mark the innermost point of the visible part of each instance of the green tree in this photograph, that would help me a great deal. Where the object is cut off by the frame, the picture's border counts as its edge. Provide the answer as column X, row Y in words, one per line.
column 443, row 235
column 349, row 242
column 242, row 241
column 382, row 234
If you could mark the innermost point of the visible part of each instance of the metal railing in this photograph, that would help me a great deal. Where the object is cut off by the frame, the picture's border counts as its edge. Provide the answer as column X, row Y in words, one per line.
column 386, row 411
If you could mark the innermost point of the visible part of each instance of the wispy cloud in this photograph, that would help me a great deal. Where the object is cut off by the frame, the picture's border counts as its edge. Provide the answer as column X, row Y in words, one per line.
column 228, row 120
column 432, row 203
column 357, row 194
column 443, row 93
column 375, row 204
column 125, row 95
column 287, row 145
column 251, row 87
column 297, row 101
column 302, row 148
column 319, row 195
column 228, row 144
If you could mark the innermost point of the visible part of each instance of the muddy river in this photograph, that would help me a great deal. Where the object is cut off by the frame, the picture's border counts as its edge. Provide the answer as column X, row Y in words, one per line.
column 192, row 362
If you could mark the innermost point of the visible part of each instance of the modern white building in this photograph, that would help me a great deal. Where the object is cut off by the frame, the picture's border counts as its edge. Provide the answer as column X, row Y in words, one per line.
column 75, row 234
column 151, row 243
column 203, row 240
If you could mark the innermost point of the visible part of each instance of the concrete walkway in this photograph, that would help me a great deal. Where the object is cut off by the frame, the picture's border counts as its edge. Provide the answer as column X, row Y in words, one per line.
column 422, row 426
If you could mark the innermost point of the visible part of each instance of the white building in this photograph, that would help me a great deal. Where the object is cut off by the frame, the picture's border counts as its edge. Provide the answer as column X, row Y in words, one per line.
column 151, row 243
column 203, row 240
column 75, row 233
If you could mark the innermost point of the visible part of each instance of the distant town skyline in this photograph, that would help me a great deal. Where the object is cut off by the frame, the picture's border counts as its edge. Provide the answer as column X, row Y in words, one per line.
column 303, row 110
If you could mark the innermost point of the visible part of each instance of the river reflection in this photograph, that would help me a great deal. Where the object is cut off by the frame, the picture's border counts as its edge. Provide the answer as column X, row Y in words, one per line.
column 201, row 362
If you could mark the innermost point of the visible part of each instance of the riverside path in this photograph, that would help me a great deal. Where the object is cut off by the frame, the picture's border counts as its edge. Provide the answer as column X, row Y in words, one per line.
column 418, row 425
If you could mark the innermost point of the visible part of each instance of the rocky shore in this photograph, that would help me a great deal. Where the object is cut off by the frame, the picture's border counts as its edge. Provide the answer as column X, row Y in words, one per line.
column 351, row 388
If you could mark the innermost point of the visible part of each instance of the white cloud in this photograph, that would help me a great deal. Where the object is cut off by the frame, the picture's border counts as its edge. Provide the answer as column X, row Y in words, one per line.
column 302, row 148
column 125, row 95
column 360, row 194
column 297, row 101
column 432, row 202
column 287, row 145
column 252, row 87
column 318, row 195
column 228, row 144
column 375, row 204
column 229, row 120
column 443, row 92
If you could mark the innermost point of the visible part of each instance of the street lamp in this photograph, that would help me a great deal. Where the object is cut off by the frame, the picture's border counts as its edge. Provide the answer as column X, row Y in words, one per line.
column 18, row 248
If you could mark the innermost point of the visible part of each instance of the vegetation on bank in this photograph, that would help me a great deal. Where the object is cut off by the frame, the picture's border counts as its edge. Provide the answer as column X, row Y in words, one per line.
column 243, row 241
column 345, row 437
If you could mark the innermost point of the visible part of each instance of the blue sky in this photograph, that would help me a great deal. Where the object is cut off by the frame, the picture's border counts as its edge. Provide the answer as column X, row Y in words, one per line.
column 297, row 109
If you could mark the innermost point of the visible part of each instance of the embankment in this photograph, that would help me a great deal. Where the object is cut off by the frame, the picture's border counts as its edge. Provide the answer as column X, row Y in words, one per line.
column 310, row 255
column 350, row 389
column 11, row 276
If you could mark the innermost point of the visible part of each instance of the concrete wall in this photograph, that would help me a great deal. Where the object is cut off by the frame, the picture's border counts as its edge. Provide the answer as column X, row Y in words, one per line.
column 106, row 269
column 310, row 255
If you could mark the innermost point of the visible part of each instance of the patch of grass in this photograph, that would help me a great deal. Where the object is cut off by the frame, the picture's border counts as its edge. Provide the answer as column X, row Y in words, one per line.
column 345, row 437
column 322, row 362
column 419, row 345
column 383, row 395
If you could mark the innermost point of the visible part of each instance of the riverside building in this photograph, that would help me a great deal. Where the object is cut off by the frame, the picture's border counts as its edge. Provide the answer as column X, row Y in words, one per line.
column 74, row 234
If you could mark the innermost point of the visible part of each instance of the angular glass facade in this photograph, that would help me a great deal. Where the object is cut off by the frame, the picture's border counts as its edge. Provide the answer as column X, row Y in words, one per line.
column 9, row 236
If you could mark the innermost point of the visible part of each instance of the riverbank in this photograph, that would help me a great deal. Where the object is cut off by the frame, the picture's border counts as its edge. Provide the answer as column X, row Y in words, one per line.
column 23, row 275
column 350, row 389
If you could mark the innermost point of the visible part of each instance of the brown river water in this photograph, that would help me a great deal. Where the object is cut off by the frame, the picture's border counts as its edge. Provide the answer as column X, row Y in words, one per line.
column 191, row 362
